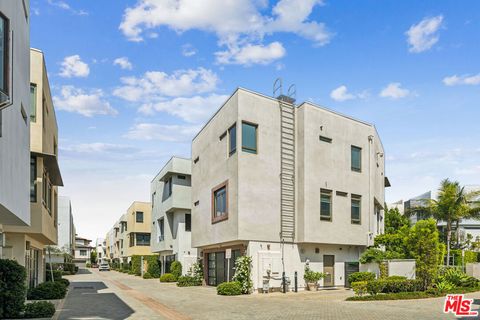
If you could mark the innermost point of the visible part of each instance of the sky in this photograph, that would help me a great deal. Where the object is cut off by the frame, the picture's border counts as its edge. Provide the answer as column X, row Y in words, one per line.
column 133, row 81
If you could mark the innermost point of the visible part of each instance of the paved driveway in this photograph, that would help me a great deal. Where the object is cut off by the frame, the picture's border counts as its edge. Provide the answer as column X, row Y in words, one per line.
column 113, row 295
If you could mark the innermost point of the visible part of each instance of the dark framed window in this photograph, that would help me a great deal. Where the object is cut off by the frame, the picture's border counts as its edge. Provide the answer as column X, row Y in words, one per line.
column 83, row 253
column 142, row 239
column 325, row 205
column 33, row 179
column 4, row 57
column 131, row 240
column 249, row 137
column 220, row 203
column 356, row 159
column 188, row 222
column 232, row 139
column 161, row 229
column 168, row 185
column 325, row 139
column 356, row 212
column 33, row 102
column 139, row 216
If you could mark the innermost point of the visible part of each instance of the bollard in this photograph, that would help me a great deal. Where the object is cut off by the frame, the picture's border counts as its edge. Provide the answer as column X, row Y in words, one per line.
column 284, row 284
column 296, row 282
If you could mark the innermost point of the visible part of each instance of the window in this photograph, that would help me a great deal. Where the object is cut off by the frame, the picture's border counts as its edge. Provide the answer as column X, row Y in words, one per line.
column 4, row 58
column 83, row 253
column 356, row 159
column 232, row 139
column 196, row 159
column 139, row 216
column 325, row 205
column 153, row 199
column 168, row 186
column 341, row 193
column 220, row 203
column 249, row 137
column 161, row 229
column 188, row 222
column 325, row 139
column 142, row 239
column 33, row 102
column 33, row 179
column 131, row 240
column 181, row 177
column 356, row 209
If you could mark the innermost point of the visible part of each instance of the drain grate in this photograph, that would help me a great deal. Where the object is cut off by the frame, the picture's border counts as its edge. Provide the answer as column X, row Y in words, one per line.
column 84, row 288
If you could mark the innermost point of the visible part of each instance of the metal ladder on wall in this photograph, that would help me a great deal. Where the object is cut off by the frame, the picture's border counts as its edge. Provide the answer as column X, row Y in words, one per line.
column 287, row 163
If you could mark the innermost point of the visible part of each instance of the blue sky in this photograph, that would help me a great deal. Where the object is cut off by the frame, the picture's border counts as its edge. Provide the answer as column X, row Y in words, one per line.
column 134, row 80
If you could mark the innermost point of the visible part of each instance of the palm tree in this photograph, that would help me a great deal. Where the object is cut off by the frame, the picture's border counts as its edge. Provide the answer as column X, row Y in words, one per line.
column 453, row 203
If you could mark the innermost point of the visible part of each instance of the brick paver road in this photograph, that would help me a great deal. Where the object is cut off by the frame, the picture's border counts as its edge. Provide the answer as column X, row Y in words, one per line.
column 113, row 295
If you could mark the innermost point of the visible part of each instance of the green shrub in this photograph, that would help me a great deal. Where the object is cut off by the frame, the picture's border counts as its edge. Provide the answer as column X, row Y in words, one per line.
column 57, row 275
column 167, row 277
column 376, row 286
column 65, row 282
column 394, row 286
column 197, row 271
column 39, row 309
column 147, row 275
column 48, row 291
column 131, row 272
column 452, row 275
column 66, row 273
column 88, row 265
column 311, row 276
column 359, row 287
column 243, row 273
column 233, row 288
column 393, row 296
column 444, row 286
column 69, row 267
column 136, row 265
column 188, row 281
column 396, row 278
column 361, row 276
column 12, row 288
column 153, row 266
column 176, row 269
column 470, row 282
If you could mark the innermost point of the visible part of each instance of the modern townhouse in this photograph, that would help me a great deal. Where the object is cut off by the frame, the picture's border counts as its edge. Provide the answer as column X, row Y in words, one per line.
column 287, row 185
column 138, row 221
column 171, row 215
column 29, row 242
column 100, row 247
column 14, row 113
column 83, row 250
column 66, row 226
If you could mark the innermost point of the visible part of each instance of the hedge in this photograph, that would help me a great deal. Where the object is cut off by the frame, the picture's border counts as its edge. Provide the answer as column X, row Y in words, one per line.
column 411, row 295
column 57, row 275
column 147, row 275
column 470, row 256
column 136, row 265
column 233, row 288
column 188, row 281
column 48, row 291
column 153, row 265
column 167, row 277
column 361, row 276
column 39, row 309
column 12, row 288
column 176, row 269
column 393, row 286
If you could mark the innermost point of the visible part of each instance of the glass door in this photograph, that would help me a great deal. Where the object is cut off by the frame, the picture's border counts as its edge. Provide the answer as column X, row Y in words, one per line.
column 329, row 270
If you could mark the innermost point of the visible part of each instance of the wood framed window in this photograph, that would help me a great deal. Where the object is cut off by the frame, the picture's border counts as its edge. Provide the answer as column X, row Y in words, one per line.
column 356, row 211
column 220, row 202
column 325, row 205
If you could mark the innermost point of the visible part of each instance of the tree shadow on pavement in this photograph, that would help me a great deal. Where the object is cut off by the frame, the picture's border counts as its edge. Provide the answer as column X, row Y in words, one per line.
column 84, row 301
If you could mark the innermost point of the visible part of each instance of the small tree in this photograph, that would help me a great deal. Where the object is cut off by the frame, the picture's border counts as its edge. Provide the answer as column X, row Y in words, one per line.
column 12, row 288
column 424, row 246
column 93, row 256
column 243, row 273
column 176, row 269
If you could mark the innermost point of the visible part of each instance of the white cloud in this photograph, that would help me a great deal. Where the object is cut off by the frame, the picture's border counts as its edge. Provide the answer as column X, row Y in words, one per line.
column 156, row 85
column 73, row 66
column 341, row 94
column 123, row 63
column 188, row 50
column 85, row 103
column 394, row 91
column 423, row 35
column 462, row 80
column 162, row 132
column 65, row 6
column 195, row 109
column 251, row 54
column 236, row 23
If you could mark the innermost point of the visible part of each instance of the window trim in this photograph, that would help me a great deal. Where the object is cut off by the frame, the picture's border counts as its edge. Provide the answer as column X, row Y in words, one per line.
column 351, row 158
column 356, row 197
column 330, row 194
column 216, row 219
column 136, row 217
column 246, row 149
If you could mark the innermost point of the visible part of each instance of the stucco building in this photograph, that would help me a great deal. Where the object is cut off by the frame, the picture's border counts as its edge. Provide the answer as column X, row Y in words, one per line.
column 28, row 243
column 83, row 250
column 66, row 226
column 171, row 215
column 287, row 185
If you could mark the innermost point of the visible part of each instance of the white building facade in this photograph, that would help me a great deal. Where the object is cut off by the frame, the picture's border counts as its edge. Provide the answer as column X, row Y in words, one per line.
column 286, row 185
column 66, row 226
column 171, row 215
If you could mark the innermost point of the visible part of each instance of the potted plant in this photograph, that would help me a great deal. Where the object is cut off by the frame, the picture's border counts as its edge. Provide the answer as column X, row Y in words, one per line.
column 312, row 278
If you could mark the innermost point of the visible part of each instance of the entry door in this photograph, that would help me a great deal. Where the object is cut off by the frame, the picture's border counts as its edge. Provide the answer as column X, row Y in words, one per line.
column 220, row 266
column 329, row 270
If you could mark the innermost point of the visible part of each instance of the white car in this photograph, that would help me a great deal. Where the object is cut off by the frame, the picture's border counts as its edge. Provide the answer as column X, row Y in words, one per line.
column 104, row 267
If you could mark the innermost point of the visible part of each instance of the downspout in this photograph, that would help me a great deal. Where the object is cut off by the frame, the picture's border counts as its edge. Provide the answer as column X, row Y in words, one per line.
column 370, row 199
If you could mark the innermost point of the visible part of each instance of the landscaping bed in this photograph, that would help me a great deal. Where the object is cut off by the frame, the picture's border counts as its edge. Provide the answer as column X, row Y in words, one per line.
column 411, row 295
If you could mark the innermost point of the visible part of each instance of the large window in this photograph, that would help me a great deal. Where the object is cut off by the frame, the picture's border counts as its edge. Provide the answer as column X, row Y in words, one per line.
column 232, row 139
column 139, row 216
column 33, row 102
column 356, row 159
column 168, row 186
column 326, row 205
column 220, row 203
column 188, row 222
column 33, row 179
column 356, row 209
column 83, row 253
column 4, row 67
column 249, row 137
column 161, row 229
column 143, row 239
